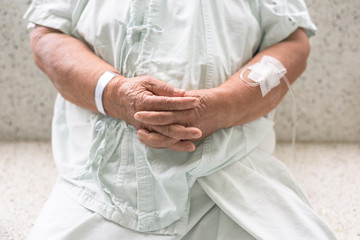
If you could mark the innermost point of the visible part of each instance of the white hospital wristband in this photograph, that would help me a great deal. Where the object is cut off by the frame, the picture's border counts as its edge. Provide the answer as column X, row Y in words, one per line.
column 99, row 90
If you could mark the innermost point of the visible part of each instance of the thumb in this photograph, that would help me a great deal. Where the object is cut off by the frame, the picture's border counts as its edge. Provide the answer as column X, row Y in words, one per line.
column 162, row 88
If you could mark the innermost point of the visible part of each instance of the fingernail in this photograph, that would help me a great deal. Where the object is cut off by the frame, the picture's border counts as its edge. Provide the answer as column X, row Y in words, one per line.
column 178, row 90
column 191, row 148
column 196, row 134
column 142, row 131
column 137, row 116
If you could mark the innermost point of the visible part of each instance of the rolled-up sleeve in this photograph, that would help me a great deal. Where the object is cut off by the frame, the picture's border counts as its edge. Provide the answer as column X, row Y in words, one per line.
column 279, row 18
column 55, row 14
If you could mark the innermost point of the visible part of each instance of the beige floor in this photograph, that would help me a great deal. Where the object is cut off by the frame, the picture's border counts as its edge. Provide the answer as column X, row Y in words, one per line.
column 329, row 173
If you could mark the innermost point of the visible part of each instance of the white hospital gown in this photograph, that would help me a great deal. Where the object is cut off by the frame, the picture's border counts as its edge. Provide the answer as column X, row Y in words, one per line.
column 142, row 191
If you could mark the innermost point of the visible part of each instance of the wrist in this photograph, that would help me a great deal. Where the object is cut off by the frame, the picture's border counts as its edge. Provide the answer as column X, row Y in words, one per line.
column 111, row 92
column 224, row 105
column 102, row 82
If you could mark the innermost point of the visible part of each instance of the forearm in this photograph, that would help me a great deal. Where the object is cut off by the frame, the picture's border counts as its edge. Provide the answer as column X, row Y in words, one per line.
column 74, row 70
column 234, row 102
column 70, row 64
column 243, row 103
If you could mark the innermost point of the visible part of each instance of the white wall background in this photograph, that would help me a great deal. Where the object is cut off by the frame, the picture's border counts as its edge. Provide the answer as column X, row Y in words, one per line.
column 328, row 94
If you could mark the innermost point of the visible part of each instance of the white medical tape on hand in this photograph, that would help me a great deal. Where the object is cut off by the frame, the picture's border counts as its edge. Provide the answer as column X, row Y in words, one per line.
column 266, row 74
column 99, row 90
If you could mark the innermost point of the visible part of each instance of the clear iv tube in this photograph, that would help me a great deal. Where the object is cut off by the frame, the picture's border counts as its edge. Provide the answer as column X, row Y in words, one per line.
column 294, row 109
column 294, row 117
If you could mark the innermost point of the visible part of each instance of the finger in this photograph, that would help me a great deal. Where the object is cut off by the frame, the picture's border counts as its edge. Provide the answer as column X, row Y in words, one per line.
column 156, row 140
column 156, row 118
column 183, row 146
column 162, row 118
column 177, row 131
column 161, row 103
column 161, row 88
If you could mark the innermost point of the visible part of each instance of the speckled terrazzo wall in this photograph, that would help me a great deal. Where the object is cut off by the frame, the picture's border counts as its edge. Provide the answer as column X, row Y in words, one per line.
column 327, row 94
column 26, row 95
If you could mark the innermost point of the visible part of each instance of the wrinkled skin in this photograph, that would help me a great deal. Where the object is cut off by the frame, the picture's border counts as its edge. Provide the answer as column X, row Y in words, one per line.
column 206, row 116
column 74, row 69
column 124, row 97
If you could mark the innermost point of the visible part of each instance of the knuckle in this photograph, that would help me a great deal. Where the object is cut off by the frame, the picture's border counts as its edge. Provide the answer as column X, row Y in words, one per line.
column 167, row 87
column 157, row 140
column 166, row 101
column 163, row 120
column 192, row 120
column 152, row 138
column 175, row 131
column 148, row 82
column 169, row 103
column 140, row 102
column 161, row 102
column 149, row 78
column 179, row 132
column 166, row 130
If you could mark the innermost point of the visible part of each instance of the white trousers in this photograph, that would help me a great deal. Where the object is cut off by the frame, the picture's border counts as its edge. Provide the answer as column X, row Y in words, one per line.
column 64, row 219
column 255, row 198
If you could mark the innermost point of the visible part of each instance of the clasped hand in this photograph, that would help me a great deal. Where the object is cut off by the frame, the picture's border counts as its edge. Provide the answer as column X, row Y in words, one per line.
column 165, row 117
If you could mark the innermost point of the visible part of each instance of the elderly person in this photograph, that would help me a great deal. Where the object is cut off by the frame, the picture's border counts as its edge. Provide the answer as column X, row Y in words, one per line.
column 154, row 134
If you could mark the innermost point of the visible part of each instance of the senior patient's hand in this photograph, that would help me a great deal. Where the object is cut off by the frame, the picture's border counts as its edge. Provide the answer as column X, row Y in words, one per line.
column 208, row 116
column 123, row 97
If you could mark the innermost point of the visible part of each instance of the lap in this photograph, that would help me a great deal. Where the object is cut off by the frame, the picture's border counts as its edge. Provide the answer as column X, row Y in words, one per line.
column 62, row 218
column 259, row 190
